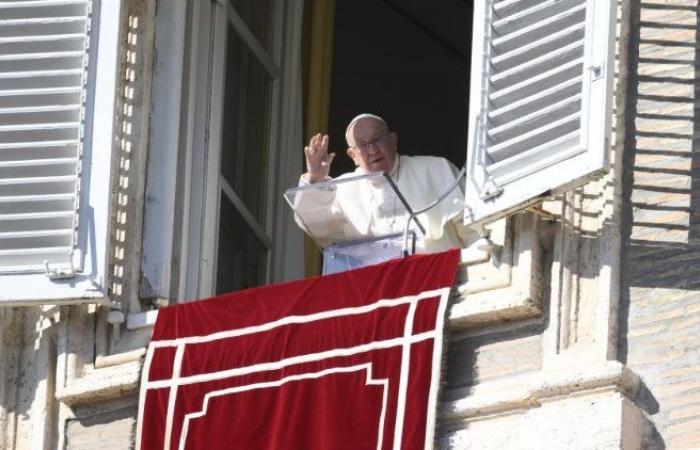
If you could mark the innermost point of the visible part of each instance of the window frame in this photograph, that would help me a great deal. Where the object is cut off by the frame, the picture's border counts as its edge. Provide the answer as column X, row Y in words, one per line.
column 173, row 258
column 90, row 283
column 225, row 15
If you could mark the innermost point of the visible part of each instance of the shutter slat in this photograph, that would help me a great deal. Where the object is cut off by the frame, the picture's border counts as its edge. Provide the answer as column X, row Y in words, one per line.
column 532, row 15
column 23, row 243
column 36, row 233
column 536, row 137
column 515, row 38
column 512, row 169
column 36, row 162
column 66, row 232
column 61, row 185
column 47, row 20
column 550, row 79
column 42, row 55
column 40, row 132
column 37, row 109
column 522, row 14
column 38, row 3
column 39, row 114
column 35, row 198
column 39, row 126
column 33, row 28
column 557, row 79
column 507, row 7
column 38, row 62
column 37, row 144
column 38, row 168
column 61, row 150
column 42, row 80
column 37, row 216
column 25, row 204
column 37, row 98
column 16, row 223
column 534, row 119
column 39, row 73
column 36, row 180
column 544, row 45
column 30, row 40
column 19, row 94
column 35, row 251
column 64, row 184
column 532, row 68
column 42, row 44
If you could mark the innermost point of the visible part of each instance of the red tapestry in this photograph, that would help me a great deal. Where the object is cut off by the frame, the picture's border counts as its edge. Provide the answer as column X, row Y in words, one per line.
column 345, row 361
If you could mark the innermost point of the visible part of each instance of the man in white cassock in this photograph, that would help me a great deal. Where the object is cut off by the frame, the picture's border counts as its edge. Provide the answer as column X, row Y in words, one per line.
column 355, row 210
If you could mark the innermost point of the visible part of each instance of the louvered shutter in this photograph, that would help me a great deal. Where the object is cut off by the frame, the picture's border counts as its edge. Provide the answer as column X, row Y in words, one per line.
column 541, row 98
column 58, row 72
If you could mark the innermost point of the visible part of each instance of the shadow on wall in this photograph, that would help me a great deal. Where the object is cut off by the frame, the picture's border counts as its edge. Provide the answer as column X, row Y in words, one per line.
column 660, row 279
column 662, row 165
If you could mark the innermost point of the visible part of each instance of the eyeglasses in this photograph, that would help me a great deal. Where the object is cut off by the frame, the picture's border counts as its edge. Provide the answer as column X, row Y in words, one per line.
column 372, row 142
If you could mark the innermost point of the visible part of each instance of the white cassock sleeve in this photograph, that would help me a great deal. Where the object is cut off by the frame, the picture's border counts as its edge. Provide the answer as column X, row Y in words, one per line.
column 422, row 180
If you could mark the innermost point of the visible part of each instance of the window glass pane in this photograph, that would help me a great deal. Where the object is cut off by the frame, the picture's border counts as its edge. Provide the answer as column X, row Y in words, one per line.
column 255, row 14
column 246, row 125
column 242, row 258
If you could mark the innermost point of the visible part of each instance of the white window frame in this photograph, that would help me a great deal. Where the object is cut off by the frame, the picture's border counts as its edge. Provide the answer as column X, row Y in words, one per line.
column 216, row 184
column 89, row 285
column 178, row 252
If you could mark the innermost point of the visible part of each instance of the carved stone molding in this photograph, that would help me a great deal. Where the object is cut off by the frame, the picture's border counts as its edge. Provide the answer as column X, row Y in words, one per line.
column 84, row 373
column 570, row 407
column 508, row 284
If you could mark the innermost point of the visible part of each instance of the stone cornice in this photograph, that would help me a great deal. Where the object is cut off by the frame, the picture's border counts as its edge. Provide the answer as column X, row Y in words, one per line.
column 530, row 391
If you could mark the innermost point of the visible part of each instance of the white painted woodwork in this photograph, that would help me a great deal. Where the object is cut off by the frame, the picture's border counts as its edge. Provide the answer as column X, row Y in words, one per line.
column 169, row 103
column 541, row 101
column 216, row 186
column 184, row 191
column 58, row 77
column 43, row 56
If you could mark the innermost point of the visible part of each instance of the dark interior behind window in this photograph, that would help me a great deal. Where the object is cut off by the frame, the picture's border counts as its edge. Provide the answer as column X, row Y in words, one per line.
column 407, row 61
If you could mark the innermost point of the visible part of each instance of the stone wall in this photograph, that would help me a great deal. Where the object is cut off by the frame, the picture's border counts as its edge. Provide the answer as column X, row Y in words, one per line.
column 108, row 425
column 660, row 289
column 490, row 355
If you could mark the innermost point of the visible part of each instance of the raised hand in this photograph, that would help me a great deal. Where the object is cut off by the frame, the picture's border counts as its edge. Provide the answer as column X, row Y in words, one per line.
column 318, row 160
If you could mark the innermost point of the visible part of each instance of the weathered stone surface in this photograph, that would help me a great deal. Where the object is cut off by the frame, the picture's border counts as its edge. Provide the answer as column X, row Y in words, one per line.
column 597, row 421
column 111, row 428
column 661, row 263
column 479, row 358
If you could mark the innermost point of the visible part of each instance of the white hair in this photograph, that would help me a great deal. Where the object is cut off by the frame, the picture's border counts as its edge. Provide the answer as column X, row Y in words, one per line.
column 360, row 117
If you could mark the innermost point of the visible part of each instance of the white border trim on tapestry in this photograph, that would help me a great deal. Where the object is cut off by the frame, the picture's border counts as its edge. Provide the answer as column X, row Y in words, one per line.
column 406, row 340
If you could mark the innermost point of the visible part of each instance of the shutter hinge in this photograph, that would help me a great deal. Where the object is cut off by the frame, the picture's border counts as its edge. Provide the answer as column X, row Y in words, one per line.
column 491, row 190
column 60, row 273
column 597, row 72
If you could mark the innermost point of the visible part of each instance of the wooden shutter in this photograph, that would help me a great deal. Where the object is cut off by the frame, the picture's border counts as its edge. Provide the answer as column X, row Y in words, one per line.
column 541, row 99
column 43, row 59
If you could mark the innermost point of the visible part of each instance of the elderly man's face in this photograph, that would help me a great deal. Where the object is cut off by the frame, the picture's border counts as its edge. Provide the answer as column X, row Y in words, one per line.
column 372, row 147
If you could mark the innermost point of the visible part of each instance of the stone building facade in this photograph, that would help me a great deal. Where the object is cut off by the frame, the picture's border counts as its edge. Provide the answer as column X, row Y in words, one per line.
column 573, row 325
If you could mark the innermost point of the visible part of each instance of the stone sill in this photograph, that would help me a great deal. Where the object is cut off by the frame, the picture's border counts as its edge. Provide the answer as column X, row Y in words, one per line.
column 532, row 390
column 505, row 286
column 102, row 384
